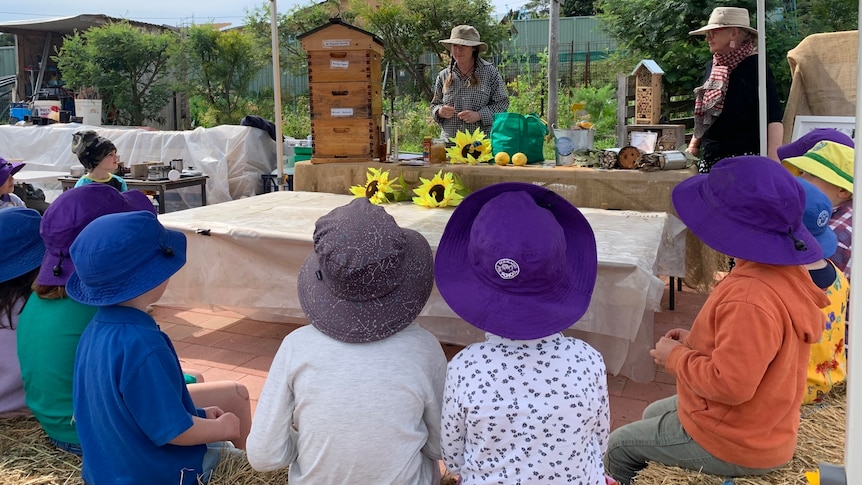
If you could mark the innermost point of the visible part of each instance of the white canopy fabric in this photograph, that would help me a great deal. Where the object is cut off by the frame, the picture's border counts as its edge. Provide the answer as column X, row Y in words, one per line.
column 234, row 157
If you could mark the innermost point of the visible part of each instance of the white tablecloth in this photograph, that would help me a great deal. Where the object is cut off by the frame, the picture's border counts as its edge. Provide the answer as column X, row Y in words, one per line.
column 245, row 255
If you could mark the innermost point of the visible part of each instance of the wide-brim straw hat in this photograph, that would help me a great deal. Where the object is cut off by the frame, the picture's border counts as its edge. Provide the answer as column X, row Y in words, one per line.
column 723, row 17
column 464, row 35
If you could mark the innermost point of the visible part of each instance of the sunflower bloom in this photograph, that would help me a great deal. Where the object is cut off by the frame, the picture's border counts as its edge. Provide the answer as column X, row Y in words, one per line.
column 378, row 189
column 441, row 191
column 470, row 148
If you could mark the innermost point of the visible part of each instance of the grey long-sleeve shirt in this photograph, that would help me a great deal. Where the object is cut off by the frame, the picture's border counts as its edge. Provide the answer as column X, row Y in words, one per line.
column 351, row 413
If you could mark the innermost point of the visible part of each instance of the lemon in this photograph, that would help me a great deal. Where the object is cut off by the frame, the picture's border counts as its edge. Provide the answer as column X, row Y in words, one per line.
column 519, row 159
column 501, row 158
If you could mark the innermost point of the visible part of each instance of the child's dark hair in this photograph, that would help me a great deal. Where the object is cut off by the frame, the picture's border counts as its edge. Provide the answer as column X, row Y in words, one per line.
column 13, row 290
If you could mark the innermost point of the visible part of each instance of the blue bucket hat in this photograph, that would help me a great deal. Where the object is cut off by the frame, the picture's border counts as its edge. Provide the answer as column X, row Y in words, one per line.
column 21, row 244
column 818, row 210
column 151, row 255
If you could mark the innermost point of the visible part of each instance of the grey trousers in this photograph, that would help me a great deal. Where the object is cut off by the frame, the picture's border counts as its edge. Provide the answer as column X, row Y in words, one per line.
column 659, row 437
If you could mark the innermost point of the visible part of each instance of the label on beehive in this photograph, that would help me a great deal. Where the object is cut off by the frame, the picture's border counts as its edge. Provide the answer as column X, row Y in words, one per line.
column 335, row 112
column 333, row 64
column 336, row 43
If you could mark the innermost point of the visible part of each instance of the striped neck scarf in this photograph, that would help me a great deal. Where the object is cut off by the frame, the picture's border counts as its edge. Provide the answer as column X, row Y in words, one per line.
column 709, row 98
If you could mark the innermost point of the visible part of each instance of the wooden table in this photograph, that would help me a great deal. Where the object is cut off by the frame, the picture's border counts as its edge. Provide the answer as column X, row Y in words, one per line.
column 159, row 186
column 583, row 187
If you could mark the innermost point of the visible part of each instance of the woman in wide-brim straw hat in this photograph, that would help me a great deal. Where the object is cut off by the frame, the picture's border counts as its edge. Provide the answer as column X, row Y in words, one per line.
column 726, row 109
column 470, row 91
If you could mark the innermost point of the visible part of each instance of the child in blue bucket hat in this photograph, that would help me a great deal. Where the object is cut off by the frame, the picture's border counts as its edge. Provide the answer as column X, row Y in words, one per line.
column 740, row 369
column 529, row 404
column 135, row 418
column 51, row 323
column 22, row 249
column 827, row 365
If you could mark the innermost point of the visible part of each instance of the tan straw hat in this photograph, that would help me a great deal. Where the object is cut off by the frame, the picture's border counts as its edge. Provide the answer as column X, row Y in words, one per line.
column 464, row 35
column 722, row 17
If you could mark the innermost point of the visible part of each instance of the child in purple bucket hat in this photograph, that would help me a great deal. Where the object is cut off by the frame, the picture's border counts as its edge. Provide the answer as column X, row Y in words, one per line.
column 355, row 396
column 740, row 370
column 527, row 405
column 7, row 184
column 22, row 249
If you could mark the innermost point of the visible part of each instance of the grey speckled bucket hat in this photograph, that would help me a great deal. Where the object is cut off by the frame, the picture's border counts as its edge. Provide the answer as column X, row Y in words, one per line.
column 367, row 278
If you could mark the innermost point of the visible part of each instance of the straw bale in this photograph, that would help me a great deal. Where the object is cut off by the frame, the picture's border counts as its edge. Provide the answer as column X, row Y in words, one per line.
column 821, row 440
column 28, row 458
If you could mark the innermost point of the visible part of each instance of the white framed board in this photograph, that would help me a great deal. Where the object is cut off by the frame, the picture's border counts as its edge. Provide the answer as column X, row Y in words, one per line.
column 803, row 124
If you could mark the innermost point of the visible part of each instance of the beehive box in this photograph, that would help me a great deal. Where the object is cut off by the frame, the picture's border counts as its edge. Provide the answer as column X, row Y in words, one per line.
column 344, row 80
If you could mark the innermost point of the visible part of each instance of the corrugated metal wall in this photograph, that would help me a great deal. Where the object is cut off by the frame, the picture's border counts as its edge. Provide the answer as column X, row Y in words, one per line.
column 7, row 61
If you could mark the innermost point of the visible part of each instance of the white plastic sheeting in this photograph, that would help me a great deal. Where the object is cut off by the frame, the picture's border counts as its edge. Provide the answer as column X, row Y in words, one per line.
column 245, row 256
column 234, row 157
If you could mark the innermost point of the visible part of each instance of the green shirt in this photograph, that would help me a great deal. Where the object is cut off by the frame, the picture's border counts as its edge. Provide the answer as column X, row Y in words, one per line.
column 48, row 334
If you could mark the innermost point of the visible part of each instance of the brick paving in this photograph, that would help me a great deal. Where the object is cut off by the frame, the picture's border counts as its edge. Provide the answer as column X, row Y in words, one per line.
column 225, row 345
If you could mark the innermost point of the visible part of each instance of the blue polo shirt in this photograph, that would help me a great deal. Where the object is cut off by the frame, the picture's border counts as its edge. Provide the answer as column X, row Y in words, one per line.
column 130, row 400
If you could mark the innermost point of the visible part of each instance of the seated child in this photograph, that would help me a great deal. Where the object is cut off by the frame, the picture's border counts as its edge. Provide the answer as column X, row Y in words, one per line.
column 527, row 405
column 134, row 415
column 355, row 396
column 7, row 184
column 99, row 157
column 827, row 365
column 829, row 166
column 740, row 370
column 22, row 249
column 51, row 323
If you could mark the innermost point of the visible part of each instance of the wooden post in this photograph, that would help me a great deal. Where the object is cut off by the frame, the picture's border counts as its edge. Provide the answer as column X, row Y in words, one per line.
column 622, row 108
column 553, row 62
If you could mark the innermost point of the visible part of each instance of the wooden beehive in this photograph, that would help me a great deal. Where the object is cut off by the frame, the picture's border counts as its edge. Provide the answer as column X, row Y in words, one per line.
column 647, row 92
column 345, row 84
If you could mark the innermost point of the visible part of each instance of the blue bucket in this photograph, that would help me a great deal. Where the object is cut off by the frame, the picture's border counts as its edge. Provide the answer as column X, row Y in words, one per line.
column 17, row 112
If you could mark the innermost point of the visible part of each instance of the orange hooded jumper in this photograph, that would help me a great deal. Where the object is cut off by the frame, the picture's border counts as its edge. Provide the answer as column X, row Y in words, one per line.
column 741, row 371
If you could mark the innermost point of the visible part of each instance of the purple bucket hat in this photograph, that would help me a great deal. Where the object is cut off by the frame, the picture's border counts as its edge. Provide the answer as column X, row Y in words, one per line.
column 748, row 207
column 818, row 210
column 517, row 260
column 21, row 245
column 9, row 168
column 367, row 278
column 69, row 214
column 807, row 141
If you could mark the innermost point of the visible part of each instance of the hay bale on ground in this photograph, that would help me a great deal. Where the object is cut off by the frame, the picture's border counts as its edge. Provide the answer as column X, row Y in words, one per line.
column 821, row 440
column 28, row 458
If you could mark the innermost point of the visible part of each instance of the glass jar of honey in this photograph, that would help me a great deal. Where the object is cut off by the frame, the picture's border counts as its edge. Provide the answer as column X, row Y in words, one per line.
column 437, row 154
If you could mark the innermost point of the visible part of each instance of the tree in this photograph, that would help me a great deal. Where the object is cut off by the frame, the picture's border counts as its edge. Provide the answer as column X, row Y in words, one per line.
column 658, row 30
column 298, row 20
column 411, row 29
column 577, row 8
column 221, row 66
column 128, row 66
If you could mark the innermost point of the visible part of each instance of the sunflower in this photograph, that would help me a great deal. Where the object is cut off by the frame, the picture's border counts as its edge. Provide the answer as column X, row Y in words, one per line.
column 472, row 149
column 441, row 191
column 378, row 188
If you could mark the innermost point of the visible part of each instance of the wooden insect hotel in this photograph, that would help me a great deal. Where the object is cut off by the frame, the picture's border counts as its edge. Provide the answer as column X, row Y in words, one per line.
column 345, row 85
column 647, row 76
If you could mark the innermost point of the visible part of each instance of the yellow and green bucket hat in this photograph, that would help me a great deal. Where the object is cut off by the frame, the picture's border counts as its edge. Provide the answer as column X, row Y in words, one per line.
column 829, row 161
